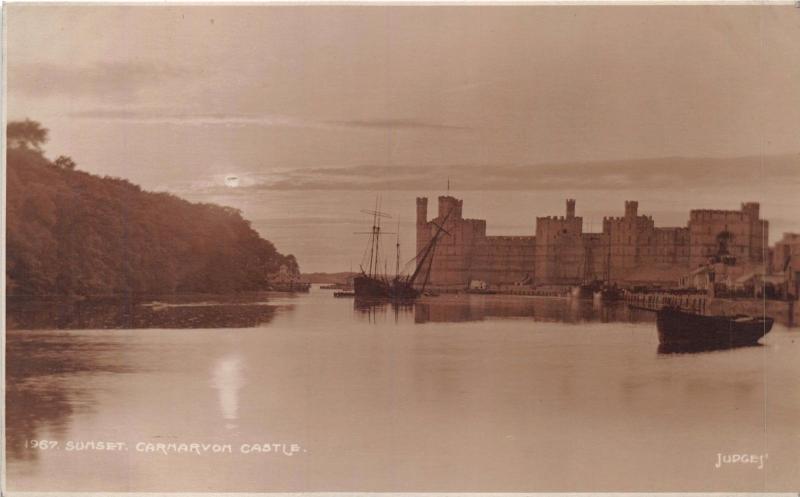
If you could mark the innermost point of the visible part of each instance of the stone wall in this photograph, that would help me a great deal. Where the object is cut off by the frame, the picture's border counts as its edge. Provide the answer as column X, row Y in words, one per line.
column 503, row 260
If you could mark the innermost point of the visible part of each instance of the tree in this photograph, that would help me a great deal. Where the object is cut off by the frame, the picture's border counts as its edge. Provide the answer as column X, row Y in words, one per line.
column 65, row 162
column 26, row 134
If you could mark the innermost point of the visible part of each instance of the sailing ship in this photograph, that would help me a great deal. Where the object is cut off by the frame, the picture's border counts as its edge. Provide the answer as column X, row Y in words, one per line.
column 371, row 284
column 590, row 284
column 608, row 292
column 593, row 287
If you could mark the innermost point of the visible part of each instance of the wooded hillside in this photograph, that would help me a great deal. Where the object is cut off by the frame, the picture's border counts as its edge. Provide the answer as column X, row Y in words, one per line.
column 74, row 233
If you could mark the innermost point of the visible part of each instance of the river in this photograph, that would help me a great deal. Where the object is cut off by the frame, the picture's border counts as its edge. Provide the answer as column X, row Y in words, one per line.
column 456, row 393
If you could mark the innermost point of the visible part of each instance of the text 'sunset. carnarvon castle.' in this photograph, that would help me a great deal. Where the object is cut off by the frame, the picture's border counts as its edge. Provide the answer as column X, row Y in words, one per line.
column 629, row 250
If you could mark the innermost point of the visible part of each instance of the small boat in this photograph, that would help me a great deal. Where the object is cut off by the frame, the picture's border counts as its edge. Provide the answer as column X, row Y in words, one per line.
column 344, row 294
column 679, row 328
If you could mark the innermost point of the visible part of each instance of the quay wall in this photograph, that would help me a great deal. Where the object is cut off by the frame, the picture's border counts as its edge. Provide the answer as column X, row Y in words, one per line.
column 783, row 311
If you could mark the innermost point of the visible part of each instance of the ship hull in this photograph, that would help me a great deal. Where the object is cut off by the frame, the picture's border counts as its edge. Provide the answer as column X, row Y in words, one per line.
column 365, row 287
column 677, row 328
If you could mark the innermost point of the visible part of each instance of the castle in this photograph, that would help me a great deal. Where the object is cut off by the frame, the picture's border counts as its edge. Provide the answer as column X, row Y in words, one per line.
column 629, row 250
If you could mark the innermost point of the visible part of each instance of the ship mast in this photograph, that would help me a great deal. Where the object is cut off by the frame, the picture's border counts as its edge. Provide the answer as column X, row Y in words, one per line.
column 429, row 249
column 374, row 239
column 397, row 259
column 377, row 228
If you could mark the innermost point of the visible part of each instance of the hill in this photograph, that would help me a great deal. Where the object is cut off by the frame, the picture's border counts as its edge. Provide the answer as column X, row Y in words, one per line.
column 73, row 233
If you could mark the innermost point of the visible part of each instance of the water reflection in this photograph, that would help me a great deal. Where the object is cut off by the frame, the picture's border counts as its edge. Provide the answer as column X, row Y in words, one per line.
column 36, row 400
column 455, row 309
column 226, row 378
column 388, row 407
column 699, row 348
column 466, row 308
column 379, row 310
column 176, row 313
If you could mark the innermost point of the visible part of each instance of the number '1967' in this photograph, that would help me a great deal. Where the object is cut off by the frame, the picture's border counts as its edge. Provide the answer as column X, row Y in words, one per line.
column 41, row 444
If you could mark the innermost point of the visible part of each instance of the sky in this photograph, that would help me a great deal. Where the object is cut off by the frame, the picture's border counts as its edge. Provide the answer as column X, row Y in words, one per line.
column 310, row 111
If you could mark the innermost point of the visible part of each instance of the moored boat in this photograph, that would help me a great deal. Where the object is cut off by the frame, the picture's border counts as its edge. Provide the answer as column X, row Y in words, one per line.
column 679, row 328
column 372, row 285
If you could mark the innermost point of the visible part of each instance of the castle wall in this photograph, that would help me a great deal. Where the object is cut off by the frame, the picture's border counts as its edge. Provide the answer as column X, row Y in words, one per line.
column 503, row 260
column 630, row 249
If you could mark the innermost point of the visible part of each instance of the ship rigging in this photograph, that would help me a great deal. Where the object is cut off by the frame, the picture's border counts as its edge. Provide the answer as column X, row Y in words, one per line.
column 372, row 284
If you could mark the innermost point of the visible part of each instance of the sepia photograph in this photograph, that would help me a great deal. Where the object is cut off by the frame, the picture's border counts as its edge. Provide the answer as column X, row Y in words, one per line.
column 395, row 248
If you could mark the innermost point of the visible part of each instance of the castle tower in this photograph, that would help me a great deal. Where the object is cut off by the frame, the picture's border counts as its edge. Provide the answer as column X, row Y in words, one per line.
column 450, row 205
column 631, row 208
column 423, row 231
column 751, row 209
column 422, row 210
column 570, row 208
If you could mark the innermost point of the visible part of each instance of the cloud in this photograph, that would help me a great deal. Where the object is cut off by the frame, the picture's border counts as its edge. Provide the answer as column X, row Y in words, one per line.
column 673, row 173
column 118, row 80
column 178, row 117
column 395, row 124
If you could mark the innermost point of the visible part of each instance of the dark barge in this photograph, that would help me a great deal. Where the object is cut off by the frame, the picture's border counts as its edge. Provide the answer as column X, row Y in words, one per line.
column 679, row 328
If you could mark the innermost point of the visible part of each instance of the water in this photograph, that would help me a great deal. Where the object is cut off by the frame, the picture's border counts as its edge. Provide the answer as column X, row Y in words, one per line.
column 477, row 393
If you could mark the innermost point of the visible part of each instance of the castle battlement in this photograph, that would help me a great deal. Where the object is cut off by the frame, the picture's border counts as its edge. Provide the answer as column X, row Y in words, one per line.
column 749, row 210
column 506, row 238
column 558, row 218
column 715, row 211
